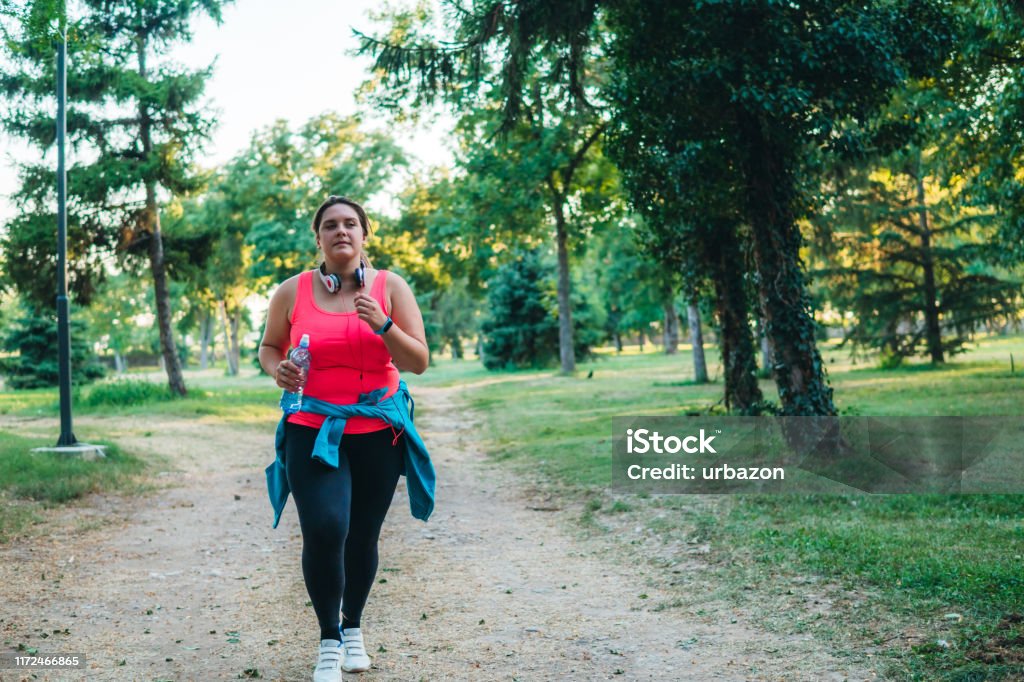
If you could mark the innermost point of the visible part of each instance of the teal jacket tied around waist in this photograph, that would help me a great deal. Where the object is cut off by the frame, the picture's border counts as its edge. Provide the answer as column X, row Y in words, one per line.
column 397, row 410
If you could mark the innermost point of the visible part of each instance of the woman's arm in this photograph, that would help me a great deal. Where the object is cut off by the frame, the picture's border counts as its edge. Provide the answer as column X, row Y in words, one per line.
column 276, row 339
column 407, row 339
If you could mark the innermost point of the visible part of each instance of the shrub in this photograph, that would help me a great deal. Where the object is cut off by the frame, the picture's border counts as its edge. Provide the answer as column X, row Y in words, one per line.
column 34, row 338
column 125, row 393
column 521, row 326
column 518, row 330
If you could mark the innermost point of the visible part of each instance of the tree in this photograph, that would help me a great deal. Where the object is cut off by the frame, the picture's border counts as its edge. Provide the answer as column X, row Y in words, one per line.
column 452, row 317
column 548, row 159
column 913, row 250
column 271, row 189
column 521, row 325
column 633, row 288
column 207, row 250
column 249, row 227
column 429, row 245
column 33, row 336
column 693, row 229
column 771, row 77
column 111, row 316
column 986, row 80
column 918, row 271
column 749, row 85
column 517, row 330
column 138, row 118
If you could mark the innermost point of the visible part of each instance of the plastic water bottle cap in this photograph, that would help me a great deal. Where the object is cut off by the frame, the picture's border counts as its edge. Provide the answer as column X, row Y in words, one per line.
column 304, row 341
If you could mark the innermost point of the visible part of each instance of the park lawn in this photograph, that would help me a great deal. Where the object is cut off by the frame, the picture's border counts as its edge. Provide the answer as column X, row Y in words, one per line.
column 245, row 398
column 919, row 557
column 30, row 482
column 954, row 566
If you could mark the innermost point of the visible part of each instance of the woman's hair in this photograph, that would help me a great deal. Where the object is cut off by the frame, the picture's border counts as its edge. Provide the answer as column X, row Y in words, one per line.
column 331, row 201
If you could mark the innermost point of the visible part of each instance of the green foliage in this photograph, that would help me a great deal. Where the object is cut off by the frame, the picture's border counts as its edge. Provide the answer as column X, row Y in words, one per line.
column 734, row 93
column 139, row 119
column 249, row 227
column 33, row 336
column 135, row 120
column 432, row 247
column 986, row 79
column 265, row 197
column 450, row 316
column 125, row 393
column 112, row 312
column 520, row 328
column 519, row 183
column 415, row 68
column 632, row 284
column 906, row 253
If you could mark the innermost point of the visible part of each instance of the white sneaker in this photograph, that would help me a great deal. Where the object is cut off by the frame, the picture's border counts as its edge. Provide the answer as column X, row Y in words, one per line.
column 356, row 660
column 328, row 665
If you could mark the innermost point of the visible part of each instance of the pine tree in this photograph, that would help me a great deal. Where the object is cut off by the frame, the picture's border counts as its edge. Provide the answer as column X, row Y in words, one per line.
column 33, row 336
column 518, row 330
column 134, row 125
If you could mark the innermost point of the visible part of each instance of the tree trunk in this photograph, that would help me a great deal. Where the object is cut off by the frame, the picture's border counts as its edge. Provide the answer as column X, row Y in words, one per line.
column 206, row 338
column 229, row 354
column 566, row 350
column 168, row 349
column 736, row 343
column 933, row 332
column 766, row 347
column 641, row 339
column 151, row 221
column 618, row 341
column 559, row 181
column 120, row 366
column 700, row 365
column 670, row 330
column 236, row 349
column 799, row 371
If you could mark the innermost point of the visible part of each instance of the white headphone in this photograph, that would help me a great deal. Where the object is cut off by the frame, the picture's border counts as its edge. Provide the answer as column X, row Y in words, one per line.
column 333, row 283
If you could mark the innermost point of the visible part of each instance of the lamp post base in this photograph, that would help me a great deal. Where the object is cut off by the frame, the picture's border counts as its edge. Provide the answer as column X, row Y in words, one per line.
column 85, row 451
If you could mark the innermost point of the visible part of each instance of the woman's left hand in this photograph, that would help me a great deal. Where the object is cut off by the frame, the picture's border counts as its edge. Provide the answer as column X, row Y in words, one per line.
column 369, row 311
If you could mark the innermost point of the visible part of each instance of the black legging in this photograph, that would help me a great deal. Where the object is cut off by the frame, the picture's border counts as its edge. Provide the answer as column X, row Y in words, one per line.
column 341, row 512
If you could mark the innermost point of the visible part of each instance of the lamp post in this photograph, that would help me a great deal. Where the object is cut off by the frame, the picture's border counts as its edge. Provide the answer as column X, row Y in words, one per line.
column 67, row 436
column 67, row 444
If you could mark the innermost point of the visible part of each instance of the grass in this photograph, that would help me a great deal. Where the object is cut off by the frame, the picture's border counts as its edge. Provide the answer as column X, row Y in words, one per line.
column 911, row 559
column 32, row 481
column 246, row 398
column 922, row 557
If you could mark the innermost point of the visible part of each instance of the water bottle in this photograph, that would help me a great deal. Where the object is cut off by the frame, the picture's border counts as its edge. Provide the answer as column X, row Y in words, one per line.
column 292, row 402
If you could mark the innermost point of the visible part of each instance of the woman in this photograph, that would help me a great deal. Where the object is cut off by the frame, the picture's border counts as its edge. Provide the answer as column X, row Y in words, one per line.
column 363, row 326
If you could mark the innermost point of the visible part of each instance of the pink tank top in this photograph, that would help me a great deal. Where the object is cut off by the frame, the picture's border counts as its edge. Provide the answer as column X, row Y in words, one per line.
column 343, row 348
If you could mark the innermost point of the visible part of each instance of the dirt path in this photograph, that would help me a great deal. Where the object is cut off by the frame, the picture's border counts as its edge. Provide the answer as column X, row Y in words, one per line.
column 191, row 583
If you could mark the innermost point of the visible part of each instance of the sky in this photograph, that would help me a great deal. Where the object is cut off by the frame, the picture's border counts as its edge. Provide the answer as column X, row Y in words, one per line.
column 274, row 59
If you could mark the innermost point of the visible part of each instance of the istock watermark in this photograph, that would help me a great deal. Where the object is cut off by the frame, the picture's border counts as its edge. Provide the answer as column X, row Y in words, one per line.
column 841, row 455
column 642, row 441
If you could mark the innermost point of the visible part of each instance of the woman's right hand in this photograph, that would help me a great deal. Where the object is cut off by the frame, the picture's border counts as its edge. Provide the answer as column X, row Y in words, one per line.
column 288, row 376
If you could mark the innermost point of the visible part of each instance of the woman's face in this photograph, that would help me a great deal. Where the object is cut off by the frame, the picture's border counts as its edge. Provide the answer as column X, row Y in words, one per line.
column 340, row 236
